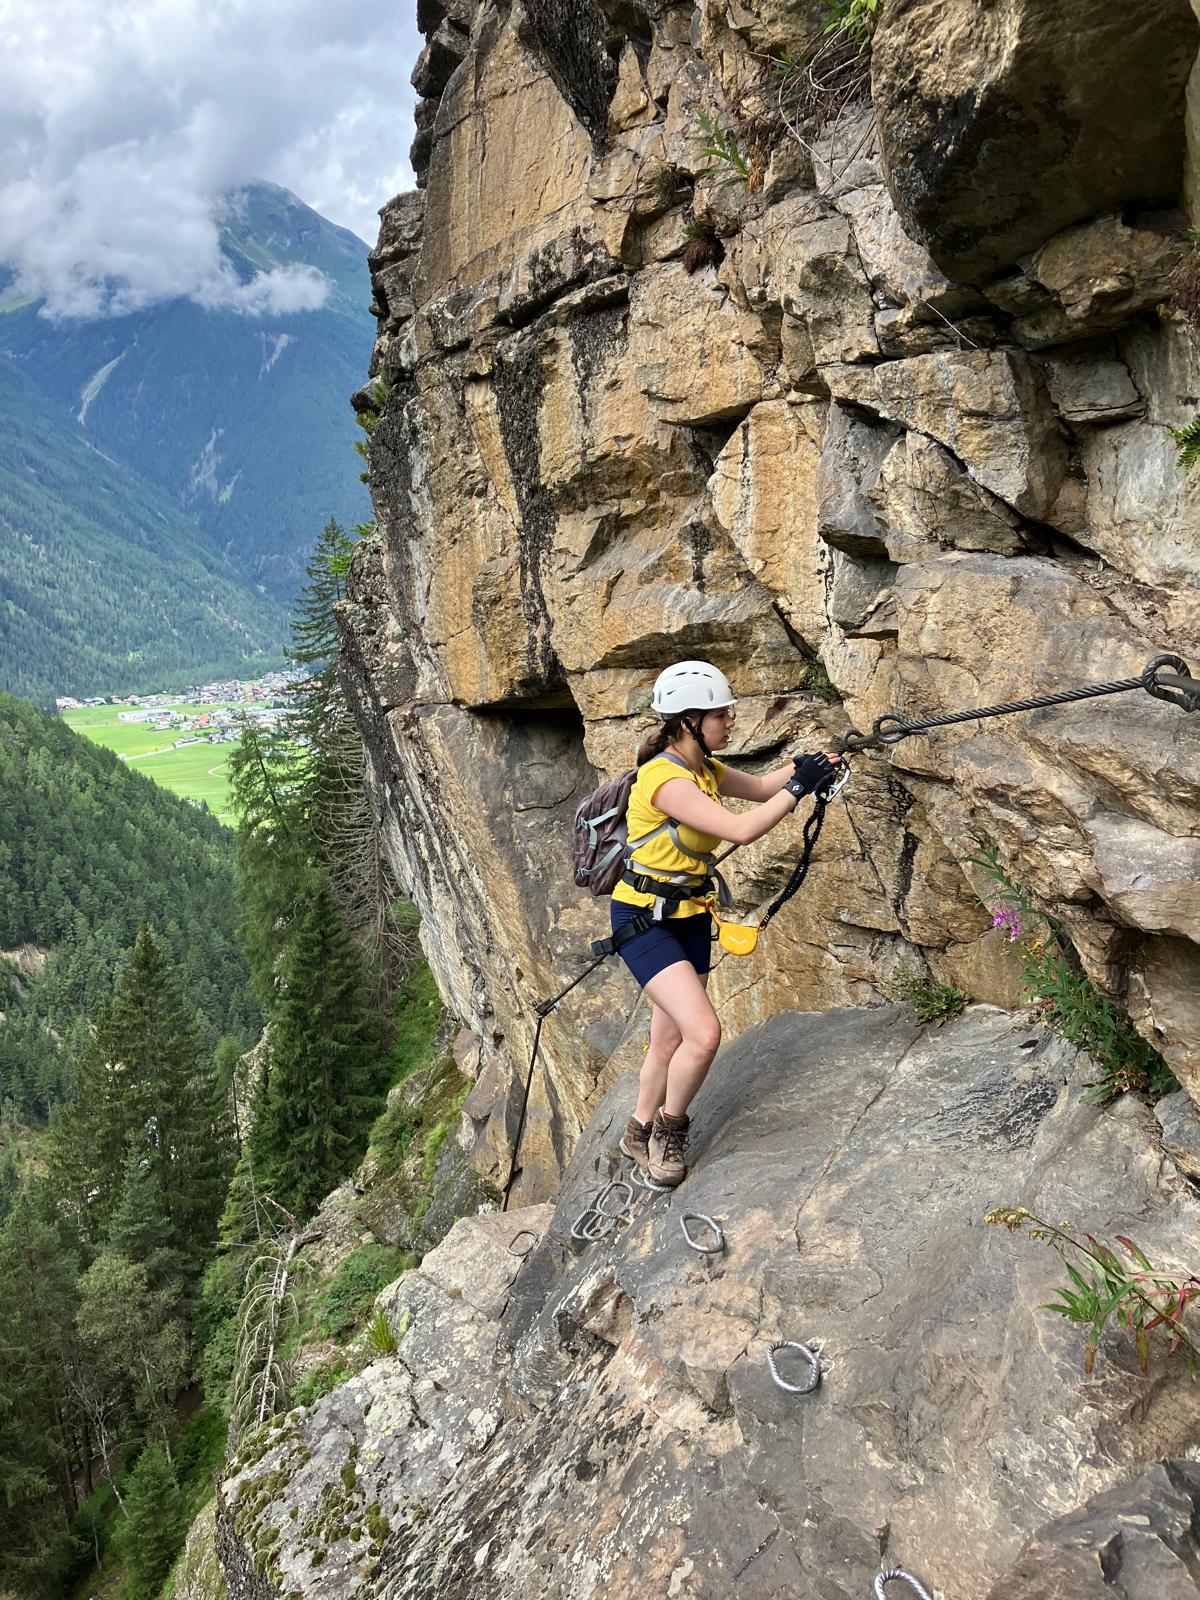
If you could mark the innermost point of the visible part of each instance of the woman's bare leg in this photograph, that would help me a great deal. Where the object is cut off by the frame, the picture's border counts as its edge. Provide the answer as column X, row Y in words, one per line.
column 680, row 992
column 665, row 1039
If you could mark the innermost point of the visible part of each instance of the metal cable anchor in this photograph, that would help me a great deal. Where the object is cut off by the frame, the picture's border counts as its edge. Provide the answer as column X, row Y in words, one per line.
column 525, row 1233
column 718, row 1234
column 900, row 1576
column 814, row 1361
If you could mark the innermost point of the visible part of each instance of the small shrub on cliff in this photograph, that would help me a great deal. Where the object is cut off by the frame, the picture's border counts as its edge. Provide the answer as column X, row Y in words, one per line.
column 819, row 86
column 1188, row 440
column 703, row 248
column 355, row 1284
column 1072, row 1004
column 368, row 420
column 1103, row 1292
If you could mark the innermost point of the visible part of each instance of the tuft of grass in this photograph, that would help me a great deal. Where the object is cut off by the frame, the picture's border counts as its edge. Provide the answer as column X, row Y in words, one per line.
column 928, row 1000
column 379, row 1334
column 703, row 248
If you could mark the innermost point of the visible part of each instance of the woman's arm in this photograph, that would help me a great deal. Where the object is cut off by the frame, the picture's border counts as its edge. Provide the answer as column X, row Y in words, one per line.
column 754, row 786
column 684, row 802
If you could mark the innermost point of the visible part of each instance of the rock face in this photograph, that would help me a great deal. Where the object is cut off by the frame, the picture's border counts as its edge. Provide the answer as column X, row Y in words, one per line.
column 1138, row 1541
column 597, row 1421
column 819, row 459
column 1003, row 123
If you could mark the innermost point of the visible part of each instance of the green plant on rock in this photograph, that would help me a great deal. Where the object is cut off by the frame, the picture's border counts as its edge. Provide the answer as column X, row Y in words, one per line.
column 379, row 1334
column 1104, row 1292
column 1051, row 973
column 1188, row 441
column 355, row 1284
column 731, row 166
column 368, row 418
column 818, row 682
column 320, row 1381
column 854, row 19
column 928, row 1000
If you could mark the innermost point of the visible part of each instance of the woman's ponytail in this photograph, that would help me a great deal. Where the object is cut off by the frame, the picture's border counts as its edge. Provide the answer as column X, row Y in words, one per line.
column 656, row 742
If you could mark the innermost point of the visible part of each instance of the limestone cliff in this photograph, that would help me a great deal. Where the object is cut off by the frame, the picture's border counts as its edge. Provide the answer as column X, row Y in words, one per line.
column 904, row 429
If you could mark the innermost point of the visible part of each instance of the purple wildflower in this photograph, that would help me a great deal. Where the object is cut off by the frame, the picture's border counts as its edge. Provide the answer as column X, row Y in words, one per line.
column 1008, row 918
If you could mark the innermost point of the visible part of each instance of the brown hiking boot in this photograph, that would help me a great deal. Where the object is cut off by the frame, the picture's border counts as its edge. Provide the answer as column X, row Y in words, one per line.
column 635, row 1143
column 668, row 1136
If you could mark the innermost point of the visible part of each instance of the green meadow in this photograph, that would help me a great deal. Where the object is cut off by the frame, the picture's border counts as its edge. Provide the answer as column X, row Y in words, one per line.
column 197, row 772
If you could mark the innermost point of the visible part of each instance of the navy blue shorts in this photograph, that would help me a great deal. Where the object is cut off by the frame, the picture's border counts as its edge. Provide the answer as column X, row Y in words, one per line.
column 673, row 939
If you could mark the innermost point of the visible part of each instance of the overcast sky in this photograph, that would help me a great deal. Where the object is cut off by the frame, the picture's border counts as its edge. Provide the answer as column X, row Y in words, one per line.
column 121, row 120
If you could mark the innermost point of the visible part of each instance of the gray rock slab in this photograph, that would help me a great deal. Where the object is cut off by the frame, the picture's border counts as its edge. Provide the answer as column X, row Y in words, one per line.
column 600, row 1419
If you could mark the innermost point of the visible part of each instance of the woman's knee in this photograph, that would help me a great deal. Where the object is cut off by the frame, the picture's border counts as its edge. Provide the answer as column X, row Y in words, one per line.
column 703, row 1033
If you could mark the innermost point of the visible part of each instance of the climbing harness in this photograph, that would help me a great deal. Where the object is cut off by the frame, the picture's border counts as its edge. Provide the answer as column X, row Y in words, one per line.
column 897, row 1575
column 1176, row 686
column 598, row 1220
column 718, row 1235
column 525, row 1233
column 810, row 1355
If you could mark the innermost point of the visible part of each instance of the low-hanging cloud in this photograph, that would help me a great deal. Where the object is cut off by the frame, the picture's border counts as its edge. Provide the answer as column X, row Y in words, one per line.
column 122, row 126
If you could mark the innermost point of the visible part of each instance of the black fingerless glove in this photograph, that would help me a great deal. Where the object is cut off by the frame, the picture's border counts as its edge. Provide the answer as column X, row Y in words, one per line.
column 811, row 772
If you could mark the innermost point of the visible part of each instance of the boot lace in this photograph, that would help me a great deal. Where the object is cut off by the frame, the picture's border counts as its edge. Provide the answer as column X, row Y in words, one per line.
column 674, row 1141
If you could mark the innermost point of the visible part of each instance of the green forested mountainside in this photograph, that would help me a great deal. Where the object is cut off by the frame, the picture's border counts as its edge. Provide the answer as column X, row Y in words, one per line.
column 90, row 849
column 105, row 587
column 140, row 1229
column 243, row 422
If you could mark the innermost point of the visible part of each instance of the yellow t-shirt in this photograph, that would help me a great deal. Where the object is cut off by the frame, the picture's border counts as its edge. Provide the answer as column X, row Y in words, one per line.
column 660, row 857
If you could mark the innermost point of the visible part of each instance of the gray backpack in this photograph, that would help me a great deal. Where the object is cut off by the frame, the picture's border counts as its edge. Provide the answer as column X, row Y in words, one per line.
column 600, row 833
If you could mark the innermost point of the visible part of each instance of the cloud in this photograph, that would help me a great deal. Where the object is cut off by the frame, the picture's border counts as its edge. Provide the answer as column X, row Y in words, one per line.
column 121, row 126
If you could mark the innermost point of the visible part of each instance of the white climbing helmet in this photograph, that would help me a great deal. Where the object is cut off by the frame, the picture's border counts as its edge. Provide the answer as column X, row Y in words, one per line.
column 690, row 686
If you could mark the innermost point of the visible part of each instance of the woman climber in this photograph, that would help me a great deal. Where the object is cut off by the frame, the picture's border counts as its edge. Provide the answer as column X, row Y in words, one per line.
column 675, row 822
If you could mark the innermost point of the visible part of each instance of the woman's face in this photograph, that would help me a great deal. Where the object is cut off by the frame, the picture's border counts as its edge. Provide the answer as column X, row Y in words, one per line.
column 717, row 727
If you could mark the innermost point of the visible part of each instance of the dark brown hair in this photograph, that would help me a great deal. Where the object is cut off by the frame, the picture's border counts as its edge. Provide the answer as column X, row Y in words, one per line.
column 656, row 742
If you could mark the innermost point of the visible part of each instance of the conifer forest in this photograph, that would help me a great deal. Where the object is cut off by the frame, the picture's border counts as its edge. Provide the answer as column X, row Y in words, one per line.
column 200, row 1027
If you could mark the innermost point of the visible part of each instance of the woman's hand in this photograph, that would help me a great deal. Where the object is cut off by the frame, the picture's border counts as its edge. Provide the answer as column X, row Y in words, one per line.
column 810, row 772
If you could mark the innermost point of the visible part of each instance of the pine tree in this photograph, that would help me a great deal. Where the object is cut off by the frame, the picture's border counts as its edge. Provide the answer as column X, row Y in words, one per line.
column 39, row 1426
column 332, row 769
column 273, row 845
column 134, row 1343
column 154, row 1524
column 322, row 1089
column 144, row 1093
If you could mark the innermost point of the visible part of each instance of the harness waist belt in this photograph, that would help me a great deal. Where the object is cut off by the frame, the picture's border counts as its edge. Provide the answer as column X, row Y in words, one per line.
column 676, row 893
